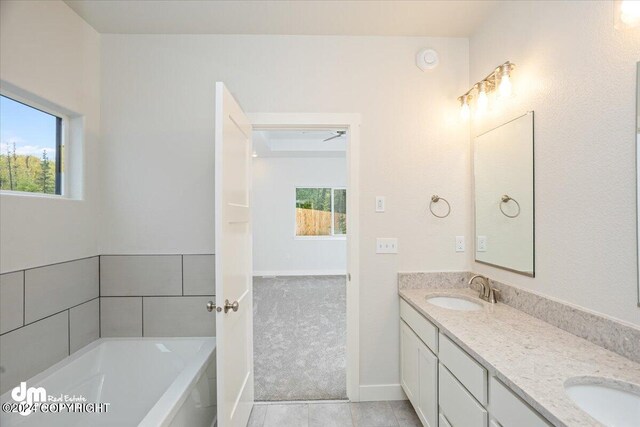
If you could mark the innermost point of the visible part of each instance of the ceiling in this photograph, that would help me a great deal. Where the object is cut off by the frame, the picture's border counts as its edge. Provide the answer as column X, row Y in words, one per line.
column 295, row 17
column 298, row 143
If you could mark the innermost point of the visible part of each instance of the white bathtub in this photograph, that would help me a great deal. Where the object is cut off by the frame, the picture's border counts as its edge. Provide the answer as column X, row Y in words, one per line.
column 146, row 381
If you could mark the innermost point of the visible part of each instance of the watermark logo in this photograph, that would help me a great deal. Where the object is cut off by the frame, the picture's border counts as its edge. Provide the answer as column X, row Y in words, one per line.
column 29, row 396
column 35, row 399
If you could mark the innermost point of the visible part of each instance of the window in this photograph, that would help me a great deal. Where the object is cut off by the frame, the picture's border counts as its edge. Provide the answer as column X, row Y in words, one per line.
column 30, row 148
column 321, row 212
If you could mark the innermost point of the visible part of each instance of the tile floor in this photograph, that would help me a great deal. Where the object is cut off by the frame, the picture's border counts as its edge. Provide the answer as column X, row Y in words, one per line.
column 363, row 414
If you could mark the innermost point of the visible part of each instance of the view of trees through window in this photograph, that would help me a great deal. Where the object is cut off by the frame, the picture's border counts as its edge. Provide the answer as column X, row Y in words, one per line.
column 321, row 211
column 30, row 144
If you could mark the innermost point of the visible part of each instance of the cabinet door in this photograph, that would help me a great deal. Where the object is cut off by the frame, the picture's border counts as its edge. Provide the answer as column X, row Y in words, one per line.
column 428, row 386
column 409, row 362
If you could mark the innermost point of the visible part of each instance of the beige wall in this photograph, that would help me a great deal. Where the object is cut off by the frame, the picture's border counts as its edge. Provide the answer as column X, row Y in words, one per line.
column 578, row 74
column 51, row 53
column 158, row 109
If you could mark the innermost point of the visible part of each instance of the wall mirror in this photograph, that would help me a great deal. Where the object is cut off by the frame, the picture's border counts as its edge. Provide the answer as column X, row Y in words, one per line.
column 638, row 163
column 504, row 196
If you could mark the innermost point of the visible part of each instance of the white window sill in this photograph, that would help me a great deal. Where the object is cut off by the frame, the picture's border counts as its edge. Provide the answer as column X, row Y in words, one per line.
column 9, row 193
column 320, row 237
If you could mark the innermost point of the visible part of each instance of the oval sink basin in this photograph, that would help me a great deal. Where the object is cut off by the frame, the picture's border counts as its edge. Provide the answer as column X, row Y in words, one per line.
column 454, row 303
column 611, row 403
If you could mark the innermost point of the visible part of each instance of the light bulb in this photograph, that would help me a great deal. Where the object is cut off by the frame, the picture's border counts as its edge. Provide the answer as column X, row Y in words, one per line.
column 465, row 111
column 483, row 99
column 630, row 12
column 506, row 87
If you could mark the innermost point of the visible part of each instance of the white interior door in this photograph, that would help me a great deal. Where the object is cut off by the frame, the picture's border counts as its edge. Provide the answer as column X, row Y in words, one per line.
column 233, row 240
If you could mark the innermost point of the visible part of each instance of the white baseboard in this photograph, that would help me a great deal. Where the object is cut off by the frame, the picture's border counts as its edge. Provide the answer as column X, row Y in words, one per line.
column 377, row 392
column 300, row 273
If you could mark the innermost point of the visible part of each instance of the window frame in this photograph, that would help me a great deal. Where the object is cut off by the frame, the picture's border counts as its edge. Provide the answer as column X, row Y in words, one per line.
column 331, row 236
column 62, row 155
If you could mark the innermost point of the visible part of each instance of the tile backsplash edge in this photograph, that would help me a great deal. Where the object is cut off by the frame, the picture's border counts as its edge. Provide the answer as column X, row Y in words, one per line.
column 615, row 336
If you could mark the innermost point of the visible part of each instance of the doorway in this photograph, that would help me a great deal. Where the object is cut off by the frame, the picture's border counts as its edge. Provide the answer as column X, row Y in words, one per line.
column 305, row 257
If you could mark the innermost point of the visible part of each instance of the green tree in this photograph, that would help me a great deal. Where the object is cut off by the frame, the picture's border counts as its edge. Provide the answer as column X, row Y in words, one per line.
column 46, row 174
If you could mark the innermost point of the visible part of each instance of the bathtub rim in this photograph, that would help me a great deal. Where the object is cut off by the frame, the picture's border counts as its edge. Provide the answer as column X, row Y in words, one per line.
column 168, row 405
column 156, row 416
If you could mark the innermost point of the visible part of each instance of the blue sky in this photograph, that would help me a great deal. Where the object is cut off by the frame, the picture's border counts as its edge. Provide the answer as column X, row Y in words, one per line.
column 32, row 130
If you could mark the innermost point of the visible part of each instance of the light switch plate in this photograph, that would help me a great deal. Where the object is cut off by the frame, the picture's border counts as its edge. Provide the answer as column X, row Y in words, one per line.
column 460, row 244
column 379, row 203
column 482, row 244
column 386, row 245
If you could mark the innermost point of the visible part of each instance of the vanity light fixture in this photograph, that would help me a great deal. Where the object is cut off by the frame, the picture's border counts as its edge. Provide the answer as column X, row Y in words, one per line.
column 500, row 78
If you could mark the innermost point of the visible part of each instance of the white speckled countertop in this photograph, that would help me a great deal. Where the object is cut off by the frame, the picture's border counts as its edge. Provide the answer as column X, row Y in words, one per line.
column 530, row 356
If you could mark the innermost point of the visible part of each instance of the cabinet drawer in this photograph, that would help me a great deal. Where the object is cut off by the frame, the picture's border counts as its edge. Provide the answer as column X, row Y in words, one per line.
column 469, row 372
column 426, row 330
column 456, row 404
column 509, row 409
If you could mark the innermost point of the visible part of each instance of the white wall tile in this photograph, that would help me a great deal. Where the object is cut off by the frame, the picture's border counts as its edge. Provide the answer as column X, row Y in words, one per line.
column 199, row 274
column 11, row 301
column 30, row 350
column 57, row 287
column 121, row 317
column 84, row 324
column 178, row 317
column 134, row 275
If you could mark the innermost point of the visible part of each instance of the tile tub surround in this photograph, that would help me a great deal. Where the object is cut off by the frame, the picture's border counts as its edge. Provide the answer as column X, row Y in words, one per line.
column 613, row 335
column 46, row 313
column 335, row 414
column 299, row 333
column 157, row 295
column 530, row 356
column 60, row 306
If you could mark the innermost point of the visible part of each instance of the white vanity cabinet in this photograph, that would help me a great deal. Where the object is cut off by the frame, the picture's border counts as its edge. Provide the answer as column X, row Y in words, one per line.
column 418, row 364
column 448, row 387
column 419, row 375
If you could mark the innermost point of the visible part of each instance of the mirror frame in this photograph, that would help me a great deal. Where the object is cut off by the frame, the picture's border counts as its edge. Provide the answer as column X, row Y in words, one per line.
column 637, row 142
column 533, row 193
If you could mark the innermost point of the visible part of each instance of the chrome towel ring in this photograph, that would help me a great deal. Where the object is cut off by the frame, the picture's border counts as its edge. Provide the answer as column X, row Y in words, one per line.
column 506, row 199
column 435, row 199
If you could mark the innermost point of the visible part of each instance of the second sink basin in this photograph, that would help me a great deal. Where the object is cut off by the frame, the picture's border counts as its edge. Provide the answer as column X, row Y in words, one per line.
column 454, row 303
column 612, row 403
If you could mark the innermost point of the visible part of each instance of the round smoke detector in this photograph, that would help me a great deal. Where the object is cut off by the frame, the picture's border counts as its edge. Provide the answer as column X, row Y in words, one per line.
column 427, row 59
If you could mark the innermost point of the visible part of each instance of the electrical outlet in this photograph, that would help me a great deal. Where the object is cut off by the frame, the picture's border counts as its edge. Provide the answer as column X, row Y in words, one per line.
column 459, row 243
column 379, row 203
column 386, row 245
column 482, row 243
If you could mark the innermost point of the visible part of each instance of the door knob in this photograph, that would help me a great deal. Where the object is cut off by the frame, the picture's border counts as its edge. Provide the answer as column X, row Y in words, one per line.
column 210, row 306
column 230, row 306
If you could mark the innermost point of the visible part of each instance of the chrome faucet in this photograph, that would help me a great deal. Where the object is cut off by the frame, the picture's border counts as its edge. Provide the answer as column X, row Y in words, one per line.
column 487, row 293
